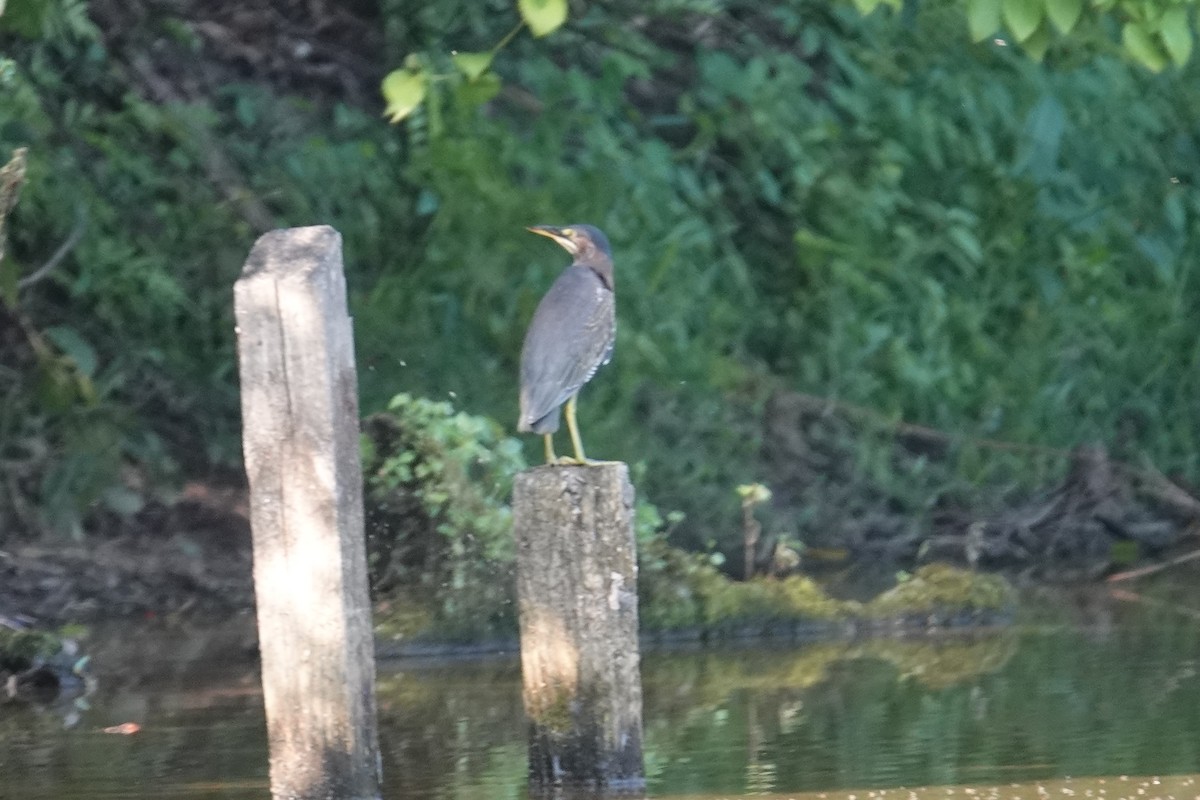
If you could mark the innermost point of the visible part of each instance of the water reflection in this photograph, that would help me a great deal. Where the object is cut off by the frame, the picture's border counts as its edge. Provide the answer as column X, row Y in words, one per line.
column 983, row 711
column 820, row 717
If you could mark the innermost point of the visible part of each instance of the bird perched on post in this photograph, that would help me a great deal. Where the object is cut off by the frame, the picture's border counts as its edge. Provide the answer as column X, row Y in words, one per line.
column 570, row 336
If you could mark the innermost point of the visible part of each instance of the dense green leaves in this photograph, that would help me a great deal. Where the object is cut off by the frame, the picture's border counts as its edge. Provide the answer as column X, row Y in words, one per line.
column 1153, row 32
column 33, row 19
column 847, row 207
column 405, row 89
column 437, row 489
column 24, row 17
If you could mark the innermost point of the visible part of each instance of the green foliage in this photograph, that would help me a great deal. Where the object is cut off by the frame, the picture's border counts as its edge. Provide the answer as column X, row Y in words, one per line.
column 1154, row 34
column 673, row 587
column 983, row 18
column 439, row 524
column 1022, row 17
column 60, row 450
column 437, row 489
column 804, row 199
column 458, row 466
column 131, row 320
column 47, row 19
column 940, row 232
column 21, row 650
column 405, row 89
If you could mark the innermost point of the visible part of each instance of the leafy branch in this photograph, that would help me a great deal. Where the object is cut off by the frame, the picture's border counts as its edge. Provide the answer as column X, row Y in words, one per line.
column 1154, row 33
column 406, row 88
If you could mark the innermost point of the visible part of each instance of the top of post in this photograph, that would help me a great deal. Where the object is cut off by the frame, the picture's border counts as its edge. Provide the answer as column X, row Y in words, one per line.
column 554, row 479
column 292, row 252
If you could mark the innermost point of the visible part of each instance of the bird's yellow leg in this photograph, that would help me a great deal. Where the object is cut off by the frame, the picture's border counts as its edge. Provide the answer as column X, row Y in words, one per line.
column 548, row 438
column 573, row 427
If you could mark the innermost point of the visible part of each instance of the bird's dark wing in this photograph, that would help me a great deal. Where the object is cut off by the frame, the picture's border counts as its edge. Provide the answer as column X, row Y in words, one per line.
column 570, row 336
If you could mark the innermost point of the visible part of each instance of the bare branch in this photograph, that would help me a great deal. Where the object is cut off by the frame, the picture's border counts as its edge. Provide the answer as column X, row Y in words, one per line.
column 63, row 249
column 1153, row 568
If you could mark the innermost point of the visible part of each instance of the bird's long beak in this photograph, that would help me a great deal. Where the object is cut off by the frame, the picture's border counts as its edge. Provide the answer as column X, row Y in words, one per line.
column 551, row 232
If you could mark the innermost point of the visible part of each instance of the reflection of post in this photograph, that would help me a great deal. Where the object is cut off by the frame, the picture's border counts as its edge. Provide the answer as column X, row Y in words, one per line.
column 300, row 436
column 577, row 587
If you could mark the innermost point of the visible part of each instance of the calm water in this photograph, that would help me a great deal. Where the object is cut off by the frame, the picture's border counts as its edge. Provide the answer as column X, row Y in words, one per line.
column 1115, row 697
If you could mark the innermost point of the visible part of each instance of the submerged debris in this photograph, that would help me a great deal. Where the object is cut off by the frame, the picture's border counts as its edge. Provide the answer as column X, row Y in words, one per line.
column 38, row 666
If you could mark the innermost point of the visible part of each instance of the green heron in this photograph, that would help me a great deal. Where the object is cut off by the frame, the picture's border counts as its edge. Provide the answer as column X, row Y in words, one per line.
column 570, row 337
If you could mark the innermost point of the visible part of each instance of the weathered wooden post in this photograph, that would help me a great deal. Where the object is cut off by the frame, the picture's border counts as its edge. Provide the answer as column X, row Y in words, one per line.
column 301, row 443
column 577, row 590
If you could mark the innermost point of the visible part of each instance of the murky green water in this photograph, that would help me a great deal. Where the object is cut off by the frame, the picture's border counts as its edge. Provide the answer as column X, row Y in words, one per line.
column 1116, row 697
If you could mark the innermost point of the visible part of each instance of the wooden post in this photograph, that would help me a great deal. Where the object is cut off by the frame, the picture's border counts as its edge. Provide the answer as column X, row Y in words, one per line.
column 301, row 443
column 577, row 590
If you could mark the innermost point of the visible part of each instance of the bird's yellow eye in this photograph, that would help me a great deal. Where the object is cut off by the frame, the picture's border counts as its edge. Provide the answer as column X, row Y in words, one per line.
column 568, row 232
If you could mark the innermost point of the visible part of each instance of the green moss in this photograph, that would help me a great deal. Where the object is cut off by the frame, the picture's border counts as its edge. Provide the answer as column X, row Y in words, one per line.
column 555, row 713
column 402, row 618
column 793, row 599
column 683, row 592
column 940, row 587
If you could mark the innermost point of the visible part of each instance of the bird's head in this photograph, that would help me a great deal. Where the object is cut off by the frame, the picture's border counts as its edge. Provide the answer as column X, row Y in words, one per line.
column 585, row 242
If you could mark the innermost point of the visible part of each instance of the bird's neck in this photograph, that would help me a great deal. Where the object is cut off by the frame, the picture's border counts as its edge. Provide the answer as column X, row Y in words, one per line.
column 603, row 268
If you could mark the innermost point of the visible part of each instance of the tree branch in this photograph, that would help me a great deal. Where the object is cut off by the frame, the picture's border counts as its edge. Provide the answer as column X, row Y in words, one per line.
column 63, row 249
